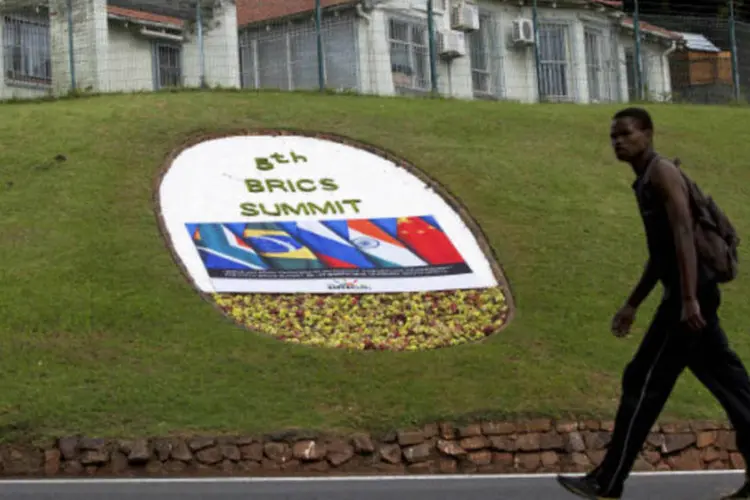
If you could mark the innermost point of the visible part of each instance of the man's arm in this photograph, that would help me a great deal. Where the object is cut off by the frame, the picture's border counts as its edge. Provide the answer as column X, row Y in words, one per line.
column 674, row 193
column 645, row 285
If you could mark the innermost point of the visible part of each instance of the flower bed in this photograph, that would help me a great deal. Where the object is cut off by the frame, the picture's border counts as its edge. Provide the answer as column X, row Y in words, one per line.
column 394, row 321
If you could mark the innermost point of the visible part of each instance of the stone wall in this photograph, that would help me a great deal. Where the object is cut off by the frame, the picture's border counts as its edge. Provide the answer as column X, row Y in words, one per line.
column 486, row 447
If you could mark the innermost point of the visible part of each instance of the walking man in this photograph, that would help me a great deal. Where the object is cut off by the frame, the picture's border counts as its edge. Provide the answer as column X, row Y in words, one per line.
column 684, row 332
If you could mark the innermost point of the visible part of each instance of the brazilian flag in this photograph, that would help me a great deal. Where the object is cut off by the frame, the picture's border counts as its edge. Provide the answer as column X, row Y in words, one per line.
column 278, row 248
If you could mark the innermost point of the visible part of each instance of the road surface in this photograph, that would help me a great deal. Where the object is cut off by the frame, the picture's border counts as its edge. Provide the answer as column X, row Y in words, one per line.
column 641, row 486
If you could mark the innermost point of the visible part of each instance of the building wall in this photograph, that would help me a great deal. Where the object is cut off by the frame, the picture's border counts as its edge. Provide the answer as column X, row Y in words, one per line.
column 220, row 50
column 512, row 69
column 371, row 49
column 110, row 55
column 130, row 58
column 655, row 69
column 358, row 54
column 90, row 51
column 132, row 61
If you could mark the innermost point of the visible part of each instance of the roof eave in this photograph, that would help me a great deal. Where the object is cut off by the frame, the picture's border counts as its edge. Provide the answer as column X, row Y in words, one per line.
column 666, row 37
column 143, row 22
column 299, row 15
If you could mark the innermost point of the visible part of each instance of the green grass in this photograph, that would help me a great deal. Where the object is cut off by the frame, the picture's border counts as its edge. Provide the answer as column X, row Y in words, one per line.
column 101, row 334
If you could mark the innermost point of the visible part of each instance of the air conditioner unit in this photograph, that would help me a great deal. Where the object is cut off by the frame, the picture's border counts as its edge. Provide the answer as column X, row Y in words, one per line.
column 523, row 31
column 464, row 16
column 451, row 44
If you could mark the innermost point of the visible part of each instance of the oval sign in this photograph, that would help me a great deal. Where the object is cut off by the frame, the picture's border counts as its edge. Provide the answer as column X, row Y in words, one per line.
column 284, row 212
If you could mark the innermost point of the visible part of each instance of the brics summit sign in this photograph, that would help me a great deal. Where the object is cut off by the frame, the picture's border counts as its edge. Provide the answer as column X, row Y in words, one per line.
column 283, row 212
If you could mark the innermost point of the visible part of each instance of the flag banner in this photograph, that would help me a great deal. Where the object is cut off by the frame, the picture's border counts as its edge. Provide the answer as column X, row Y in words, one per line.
column 408, row 247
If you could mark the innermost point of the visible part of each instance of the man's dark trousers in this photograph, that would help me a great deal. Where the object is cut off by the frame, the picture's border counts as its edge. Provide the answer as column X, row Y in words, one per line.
column 666, row 350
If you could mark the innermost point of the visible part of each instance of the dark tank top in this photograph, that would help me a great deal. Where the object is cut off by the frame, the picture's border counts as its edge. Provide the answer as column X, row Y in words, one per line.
column 659, row 238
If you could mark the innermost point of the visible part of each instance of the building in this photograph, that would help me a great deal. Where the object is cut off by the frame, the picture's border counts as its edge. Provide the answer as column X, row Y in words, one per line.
column 486, row 49
column 114, row 49
column 701, row 71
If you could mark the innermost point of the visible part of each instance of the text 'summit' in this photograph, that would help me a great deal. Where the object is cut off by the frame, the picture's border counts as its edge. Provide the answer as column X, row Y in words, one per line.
column 301, row 185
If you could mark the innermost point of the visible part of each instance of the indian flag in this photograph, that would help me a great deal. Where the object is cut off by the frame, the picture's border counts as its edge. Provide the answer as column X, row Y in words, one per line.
column 379, row 246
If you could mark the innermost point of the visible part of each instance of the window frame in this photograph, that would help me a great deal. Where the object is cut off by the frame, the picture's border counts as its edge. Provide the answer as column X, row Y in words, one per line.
column 250, row 42
column 412, row 49
column 15, row 44
column 567, row 82
column 158, row 66
column 488, row 38
column 594, row 40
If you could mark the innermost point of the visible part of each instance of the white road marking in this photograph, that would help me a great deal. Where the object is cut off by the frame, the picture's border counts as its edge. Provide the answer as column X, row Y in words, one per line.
column 344, row 479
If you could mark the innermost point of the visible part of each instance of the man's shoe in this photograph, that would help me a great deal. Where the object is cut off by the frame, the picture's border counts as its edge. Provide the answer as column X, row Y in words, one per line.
column 743, row 492
column 587, row 487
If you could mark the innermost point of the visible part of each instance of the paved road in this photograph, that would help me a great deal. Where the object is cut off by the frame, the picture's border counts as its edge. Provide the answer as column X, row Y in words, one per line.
column 701, row 486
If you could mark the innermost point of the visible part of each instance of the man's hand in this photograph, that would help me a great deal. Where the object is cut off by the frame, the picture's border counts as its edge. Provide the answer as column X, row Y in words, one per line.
column 623, row 320
column 691, row 315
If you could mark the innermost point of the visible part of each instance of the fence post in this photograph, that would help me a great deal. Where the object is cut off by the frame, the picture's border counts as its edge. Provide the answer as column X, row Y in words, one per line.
column 71, row 51
column 319, row 41
column 733, row 41
column 537, row 55
column 433, row 55
column 201, row 47
column 637, row 52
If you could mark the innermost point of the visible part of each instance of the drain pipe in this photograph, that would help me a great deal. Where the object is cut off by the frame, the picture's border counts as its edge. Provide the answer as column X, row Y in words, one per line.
column 672, row 48
column 665, row 55
column 370, row 56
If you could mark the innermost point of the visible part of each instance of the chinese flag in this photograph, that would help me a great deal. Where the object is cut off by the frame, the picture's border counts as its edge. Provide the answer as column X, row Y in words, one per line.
column 427, row 241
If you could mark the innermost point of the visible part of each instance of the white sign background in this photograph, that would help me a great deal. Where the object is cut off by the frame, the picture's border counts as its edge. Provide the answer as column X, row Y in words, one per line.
column 206, row 183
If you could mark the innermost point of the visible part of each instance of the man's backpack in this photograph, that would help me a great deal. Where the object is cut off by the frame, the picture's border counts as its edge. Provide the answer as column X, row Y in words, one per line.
column 716, row 239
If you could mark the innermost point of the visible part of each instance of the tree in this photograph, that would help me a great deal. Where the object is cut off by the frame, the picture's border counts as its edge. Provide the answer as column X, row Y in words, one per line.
column 708, row 8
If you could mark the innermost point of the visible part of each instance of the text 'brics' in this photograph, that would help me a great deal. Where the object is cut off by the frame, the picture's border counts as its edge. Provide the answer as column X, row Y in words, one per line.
column 303, row 185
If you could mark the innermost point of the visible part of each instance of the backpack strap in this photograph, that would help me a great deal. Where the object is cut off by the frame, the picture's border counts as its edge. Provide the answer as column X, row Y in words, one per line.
column 655, row 157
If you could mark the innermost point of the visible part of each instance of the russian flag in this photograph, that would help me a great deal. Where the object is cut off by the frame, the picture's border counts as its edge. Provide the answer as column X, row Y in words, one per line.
column 378, row 245
column 328, row 246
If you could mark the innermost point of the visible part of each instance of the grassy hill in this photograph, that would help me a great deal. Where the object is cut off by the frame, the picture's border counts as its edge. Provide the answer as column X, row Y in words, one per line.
column 101, row 334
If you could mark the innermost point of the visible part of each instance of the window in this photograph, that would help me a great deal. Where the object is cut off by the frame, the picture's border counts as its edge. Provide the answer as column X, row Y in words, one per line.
column 341, row 55
column 553, row 61
column 482, row 46
column 303, row 58
column 410, row 56
column 273, row 64
column 285, row 57
column 26, row 50
column 594, row 44
column 167, row 65
column 248, row 73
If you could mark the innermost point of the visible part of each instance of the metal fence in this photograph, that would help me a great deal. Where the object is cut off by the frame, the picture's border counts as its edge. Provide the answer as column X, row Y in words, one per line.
column 481, row 50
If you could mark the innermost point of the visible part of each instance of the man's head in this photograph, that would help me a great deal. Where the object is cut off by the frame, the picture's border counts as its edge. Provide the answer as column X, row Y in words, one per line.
column 631, row 133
